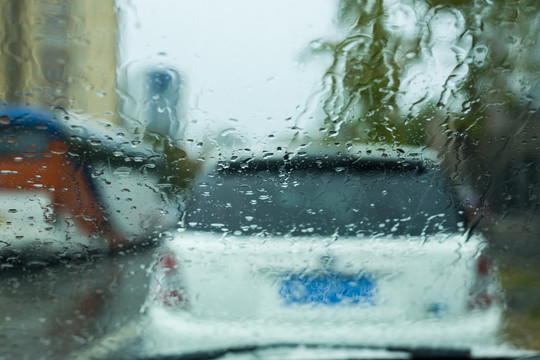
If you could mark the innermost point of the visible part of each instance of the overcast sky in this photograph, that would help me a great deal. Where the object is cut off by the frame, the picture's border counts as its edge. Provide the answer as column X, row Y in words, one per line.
column 241, row 58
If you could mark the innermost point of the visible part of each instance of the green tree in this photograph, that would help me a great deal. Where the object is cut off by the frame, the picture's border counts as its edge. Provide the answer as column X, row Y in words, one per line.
column 492, row 52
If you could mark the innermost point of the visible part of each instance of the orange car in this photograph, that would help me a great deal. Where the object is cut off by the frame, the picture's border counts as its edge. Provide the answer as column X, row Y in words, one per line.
column 65, row 190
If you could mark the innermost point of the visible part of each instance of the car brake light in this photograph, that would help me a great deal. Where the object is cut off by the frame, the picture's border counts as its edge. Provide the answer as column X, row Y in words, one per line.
column 482, row 266
column 167, row 287
column 481, row 295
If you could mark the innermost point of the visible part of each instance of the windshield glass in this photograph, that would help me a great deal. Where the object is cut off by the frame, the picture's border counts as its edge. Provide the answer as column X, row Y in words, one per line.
column 272, row 178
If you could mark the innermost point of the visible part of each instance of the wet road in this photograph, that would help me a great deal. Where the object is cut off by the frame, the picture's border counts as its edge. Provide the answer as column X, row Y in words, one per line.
column 59, row 310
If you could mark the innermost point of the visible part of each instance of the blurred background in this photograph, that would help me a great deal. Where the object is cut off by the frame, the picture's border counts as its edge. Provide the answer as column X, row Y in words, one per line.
column 459, row 76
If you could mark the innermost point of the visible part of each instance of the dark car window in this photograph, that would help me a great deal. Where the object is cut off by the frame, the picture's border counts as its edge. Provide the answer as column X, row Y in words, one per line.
column 346, row 199
column 25, row 142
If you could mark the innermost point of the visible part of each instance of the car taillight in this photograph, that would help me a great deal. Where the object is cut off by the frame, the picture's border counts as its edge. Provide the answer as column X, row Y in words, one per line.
column 482, row 266
column 481, row 295
column 167, row 287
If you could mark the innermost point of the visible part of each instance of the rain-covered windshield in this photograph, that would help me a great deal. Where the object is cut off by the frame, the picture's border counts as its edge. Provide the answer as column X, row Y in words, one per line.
column 193, row 177
column 348, row 198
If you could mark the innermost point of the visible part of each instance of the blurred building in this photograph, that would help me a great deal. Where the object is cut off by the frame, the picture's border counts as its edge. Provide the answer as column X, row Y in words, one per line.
column 60, row 53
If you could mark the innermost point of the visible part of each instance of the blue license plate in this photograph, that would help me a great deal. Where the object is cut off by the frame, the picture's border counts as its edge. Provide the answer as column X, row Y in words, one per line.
column 328, row 289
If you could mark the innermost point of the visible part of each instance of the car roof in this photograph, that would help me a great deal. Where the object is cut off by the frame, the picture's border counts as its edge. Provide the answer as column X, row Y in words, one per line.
column 93, row 138
column 326, row 155
column 33, row 117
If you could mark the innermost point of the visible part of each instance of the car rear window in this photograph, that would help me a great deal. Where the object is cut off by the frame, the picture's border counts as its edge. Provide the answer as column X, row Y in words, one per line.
column 342, row 200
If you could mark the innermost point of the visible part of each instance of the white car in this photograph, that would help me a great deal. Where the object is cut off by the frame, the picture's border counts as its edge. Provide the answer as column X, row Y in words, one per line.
column 345, row 246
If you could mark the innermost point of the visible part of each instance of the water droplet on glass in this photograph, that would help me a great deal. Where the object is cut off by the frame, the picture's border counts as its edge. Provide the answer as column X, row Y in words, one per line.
column 8, row 172
column 410, row 55
column 122, row 171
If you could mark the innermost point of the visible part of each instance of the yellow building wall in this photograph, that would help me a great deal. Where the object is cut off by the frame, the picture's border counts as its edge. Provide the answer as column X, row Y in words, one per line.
column 60, row 53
